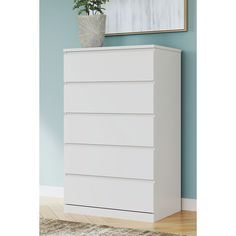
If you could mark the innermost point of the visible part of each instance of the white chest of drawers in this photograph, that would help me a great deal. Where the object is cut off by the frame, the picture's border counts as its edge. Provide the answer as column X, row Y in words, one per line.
column 122, row 131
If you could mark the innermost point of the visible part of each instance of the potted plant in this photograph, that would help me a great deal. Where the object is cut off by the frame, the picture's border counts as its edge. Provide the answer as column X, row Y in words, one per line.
column 92, row 21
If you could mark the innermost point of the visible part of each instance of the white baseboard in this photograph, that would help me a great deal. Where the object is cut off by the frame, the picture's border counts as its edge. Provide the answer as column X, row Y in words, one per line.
column 50, row 191
column 58, row 192
column 189, row 204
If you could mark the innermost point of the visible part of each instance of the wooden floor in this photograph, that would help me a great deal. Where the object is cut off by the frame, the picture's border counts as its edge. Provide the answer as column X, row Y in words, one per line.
column 182, row 223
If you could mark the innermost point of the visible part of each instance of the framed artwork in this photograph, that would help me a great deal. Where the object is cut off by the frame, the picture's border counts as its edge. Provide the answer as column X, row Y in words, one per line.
column 145, row 16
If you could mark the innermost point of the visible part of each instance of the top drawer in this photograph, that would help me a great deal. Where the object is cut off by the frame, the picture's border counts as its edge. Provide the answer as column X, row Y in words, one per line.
column 110, row 65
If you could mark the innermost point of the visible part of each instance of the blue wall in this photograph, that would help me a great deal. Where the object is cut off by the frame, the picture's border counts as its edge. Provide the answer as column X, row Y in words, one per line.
column 58, row 30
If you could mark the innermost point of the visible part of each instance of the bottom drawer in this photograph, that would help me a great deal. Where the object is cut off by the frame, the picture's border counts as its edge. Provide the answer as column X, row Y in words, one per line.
column 111, row 193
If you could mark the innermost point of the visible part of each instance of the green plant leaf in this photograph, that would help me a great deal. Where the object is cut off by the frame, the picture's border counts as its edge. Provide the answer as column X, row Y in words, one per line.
column 89, row 5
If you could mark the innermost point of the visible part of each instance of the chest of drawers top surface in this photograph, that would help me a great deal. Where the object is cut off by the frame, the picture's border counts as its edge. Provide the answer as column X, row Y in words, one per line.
column 136, row 47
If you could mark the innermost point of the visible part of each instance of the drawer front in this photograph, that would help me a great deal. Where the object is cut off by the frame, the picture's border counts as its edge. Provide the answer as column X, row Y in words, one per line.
column 113, row 193
column 126, row 162
column 130, row 130
column 109, row 97
column 117, row 65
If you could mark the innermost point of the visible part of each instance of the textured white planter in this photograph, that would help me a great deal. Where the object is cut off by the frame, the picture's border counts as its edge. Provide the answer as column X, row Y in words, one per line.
column 92, row 30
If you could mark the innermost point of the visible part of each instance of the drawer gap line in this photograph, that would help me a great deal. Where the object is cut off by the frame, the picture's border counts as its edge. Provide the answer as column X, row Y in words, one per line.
column 109, row 145
column 114, row 209
column 111, row 82
column 111, row 177
column 109, row 113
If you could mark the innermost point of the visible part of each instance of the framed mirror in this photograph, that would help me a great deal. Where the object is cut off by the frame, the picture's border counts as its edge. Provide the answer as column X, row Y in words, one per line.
column 145, row 16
